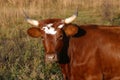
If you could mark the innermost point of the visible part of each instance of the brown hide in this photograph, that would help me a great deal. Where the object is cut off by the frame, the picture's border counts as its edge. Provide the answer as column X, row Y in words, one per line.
column 94, row 55
column 47, row 21
column 85, row 52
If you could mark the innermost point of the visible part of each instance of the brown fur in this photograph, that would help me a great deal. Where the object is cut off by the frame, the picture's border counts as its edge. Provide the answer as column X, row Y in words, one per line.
column 95, row 56
column 92, row 53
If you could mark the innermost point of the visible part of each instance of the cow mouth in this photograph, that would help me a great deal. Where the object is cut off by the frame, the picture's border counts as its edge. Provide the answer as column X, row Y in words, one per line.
column 50, row 58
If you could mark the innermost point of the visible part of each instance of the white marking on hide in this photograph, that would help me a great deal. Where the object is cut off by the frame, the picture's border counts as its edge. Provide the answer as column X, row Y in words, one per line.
column 61, row 26
column 49, row 29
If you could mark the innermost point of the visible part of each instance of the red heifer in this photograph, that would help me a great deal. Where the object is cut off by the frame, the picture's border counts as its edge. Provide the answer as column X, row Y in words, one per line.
column 85, row 52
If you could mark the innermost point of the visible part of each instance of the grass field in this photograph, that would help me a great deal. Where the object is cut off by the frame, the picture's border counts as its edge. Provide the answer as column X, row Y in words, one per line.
column 22, row 57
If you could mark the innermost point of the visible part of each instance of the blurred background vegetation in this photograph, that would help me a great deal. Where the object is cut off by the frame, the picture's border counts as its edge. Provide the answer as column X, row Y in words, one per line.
column 22, row 57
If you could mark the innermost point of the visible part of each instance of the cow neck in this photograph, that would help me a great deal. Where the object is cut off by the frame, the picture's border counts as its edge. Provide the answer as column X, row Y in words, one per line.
column 63, row 57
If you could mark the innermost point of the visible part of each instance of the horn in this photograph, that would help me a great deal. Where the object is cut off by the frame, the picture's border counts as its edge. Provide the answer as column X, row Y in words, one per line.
column 31, row 21
column 72, row 18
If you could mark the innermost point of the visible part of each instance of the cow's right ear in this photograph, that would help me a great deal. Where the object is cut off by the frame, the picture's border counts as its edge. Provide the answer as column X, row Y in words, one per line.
column 34, row 32
column 70, row 29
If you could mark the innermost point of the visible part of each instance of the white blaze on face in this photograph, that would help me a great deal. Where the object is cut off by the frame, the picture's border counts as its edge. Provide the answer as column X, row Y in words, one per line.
column 49, row 29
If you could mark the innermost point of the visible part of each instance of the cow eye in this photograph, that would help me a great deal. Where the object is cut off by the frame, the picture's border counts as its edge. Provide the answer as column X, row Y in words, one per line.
column 42, row 38
column 60, row 37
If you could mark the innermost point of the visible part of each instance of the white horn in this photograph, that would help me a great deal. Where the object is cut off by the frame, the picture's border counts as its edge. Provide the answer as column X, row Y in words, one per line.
column 31, row 21
column 72, row 18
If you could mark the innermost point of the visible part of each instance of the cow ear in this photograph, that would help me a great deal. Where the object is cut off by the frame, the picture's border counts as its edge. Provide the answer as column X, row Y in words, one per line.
column 34, row 32
column 71, row 30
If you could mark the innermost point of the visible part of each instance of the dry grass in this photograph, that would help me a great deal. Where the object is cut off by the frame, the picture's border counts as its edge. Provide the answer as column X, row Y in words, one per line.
column 21, row 57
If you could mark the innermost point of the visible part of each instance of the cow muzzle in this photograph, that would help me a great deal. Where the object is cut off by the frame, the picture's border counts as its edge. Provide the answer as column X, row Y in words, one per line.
column 50, row 58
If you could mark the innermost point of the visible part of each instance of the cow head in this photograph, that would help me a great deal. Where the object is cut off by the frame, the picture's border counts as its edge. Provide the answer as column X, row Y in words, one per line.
column 52, row 32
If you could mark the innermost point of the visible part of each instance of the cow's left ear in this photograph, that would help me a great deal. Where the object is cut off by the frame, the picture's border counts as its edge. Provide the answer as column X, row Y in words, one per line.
column 34, row 32
column 70, row 29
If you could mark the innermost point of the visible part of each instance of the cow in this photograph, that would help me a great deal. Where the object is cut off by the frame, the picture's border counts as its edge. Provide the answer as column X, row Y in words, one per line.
column 84, row 52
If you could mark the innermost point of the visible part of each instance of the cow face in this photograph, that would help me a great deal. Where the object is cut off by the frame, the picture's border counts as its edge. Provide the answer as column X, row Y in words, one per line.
column 52, row 32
